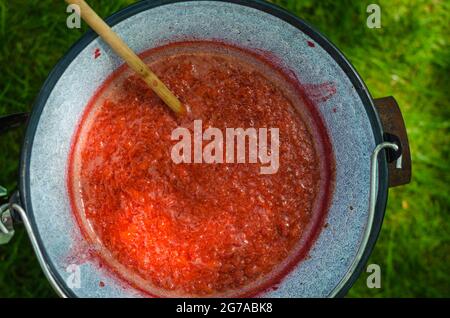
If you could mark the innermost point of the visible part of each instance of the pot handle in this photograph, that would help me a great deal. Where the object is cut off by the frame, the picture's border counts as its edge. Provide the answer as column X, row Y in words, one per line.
column 395, row 132
column 9, row 122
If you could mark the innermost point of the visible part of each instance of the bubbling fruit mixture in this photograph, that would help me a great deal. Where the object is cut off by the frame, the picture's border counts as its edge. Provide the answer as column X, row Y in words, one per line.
column 199, row 229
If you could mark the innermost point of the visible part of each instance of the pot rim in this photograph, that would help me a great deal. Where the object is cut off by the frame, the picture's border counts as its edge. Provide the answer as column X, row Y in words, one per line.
column 127, row 12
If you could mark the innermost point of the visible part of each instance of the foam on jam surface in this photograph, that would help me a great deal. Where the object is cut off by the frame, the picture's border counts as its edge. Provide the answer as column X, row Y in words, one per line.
column 199, row 229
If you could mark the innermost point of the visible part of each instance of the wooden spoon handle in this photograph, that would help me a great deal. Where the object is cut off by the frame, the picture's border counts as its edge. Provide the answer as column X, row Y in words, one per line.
column 131, row 58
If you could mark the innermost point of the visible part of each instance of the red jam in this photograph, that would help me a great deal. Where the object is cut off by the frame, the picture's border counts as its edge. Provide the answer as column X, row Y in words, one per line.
column 199, row 229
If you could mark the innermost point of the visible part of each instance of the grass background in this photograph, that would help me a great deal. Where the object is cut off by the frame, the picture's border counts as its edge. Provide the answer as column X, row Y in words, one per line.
column 408, row 58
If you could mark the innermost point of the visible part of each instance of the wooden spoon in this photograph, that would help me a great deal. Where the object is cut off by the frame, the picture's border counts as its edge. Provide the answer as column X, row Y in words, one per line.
column 131, row 58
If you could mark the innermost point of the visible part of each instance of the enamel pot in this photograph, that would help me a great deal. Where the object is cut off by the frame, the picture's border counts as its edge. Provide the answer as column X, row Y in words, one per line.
column 368, row 138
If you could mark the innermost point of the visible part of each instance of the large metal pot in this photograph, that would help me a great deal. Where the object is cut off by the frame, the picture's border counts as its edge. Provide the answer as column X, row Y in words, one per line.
column 359, row 126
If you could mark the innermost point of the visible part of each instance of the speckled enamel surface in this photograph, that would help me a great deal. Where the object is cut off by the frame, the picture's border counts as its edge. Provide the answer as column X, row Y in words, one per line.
column 343, row 113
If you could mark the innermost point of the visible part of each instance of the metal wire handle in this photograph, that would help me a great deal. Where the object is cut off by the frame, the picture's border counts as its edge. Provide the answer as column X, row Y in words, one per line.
column 17, row 208
column 372, row 204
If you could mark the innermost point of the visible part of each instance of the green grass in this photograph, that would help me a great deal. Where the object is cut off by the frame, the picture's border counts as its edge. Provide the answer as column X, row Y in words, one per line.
column 407, row 58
